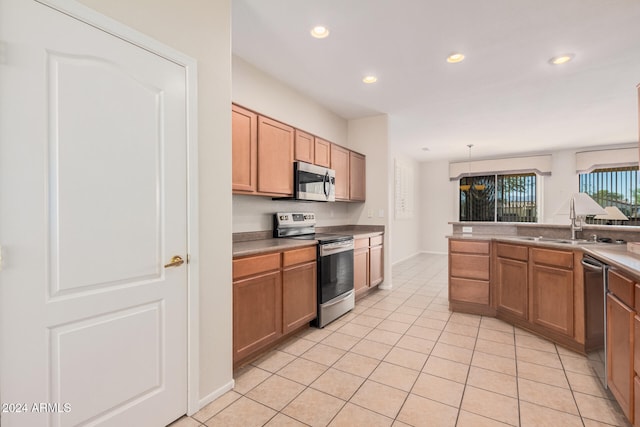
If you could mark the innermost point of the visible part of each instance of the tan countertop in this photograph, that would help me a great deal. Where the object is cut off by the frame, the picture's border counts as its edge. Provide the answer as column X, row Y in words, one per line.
column 615, row 255
column 266, row 245
column 263, row 246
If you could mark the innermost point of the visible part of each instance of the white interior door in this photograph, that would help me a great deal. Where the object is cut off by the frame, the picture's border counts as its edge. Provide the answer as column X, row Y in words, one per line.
column 93, row 204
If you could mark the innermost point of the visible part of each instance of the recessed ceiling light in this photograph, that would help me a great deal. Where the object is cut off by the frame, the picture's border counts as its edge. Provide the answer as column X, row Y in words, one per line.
column 561, row 59
column 425, row 148
column 454, row 58
column 319, row 32
column 369, row 79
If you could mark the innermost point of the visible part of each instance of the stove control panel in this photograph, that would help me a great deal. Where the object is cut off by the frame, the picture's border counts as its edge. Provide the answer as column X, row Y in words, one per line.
column 295, row 219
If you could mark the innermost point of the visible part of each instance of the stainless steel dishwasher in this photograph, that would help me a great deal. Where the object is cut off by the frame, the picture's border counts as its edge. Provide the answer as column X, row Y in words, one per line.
column 595, row 306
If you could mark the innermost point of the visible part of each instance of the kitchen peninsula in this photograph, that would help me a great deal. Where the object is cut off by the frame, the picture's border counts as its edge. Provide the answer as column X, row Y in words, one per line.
column 534, row 277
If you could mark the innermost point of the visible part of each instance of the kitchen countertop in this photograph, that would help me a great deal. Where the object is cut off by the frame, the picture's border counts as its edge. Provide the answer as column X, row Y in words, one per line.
column 615, row 255
column 265, row 245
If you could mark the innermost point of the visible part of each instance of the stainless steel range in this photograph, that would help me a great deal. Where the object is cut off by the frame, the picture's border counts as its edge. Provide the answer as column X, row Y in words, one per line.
column 336, row 295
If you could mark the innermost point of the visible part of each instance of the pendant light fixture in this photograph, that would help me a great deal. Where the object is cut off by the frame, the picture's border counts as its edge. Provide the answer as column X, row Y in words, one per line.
column 467, row 187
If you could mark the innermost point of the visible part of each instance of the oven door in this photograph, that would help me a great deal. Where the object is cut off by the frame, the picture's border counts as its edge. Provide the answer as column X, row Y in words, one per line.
column 314, row 182
column 335, row 270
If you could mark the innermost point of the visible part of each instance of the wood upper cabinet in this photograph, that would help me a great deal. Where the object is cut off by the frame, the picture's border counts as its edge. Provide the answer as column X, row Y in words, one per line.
column 322, row 153
column 305, row 146
column 244, row 136
column 340, row 163
column 357, row 177
column 299, row 291
column 275, row 157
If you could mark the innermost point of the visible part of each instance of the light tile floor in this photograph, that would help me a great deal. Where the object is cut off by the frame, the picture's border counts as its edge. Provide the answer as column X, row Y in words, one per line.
column 401, row 358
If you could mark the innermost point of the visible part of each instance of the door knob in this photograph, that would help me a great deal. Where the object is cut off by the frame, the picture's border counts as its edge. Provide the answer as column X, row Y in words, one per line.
column 176, row 261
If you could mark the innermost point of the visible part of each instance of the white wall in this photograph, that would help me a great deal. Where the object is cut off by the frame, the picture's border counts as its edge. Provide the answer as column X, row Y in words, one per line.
column 201, row 29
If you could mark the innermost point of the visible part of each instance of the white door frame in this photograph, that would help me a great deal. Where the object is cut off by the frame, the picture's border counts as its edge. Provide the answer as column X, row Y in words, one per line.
column 111, row 26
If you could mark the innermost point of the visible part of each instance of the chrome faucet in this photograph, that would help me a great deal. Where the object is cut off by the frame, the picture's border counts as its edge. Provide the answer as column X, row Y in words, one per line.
column 575, row 226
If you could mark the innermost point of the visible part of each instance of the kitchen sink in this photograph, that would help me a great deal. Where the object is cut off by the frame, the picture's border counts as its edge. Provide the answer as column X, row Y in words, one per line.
column 553, row 240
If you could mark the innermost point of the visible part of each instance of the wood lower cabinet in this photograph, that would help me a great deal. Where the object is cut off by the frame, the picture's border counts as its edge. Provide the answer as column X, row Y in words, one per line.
column 244, row 135
column 275, row 157
column 273, row 296
column 299, row 290
column 469, row 274
column 376, row 261
column 257, row 304
column 552, row 284
column 512, row 287
column 340, row 163
column 368, row 263
column 357, row 177
column 361, row 266
column 620, row 344
column 512, row 280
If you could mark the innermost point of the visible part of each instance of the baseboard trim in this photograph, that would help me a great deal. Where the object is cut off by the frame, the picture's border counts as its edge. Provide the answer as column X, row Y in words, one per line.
column 434, row 253
column 216, row 394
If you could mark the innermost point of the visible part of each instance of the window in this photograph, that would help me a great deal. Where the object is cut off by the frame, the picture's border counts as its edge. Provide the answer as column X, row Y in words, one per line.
column 502, row 198
column 614, row 187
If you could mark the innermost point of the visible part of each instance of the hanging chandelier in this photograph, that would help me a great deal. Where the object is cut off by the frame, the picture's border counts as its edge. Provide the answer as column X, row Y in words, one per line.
column 467, row 187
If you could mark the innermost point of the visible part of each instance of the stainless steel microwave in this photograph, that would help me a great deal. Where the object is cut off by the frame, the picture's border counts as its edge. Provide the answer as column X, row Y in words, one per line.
column 314, row 182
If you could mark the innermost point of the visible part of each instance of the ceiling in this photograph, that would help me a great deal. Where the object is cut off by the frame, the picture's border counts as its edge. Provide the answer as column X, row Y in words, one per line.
column 505, row 97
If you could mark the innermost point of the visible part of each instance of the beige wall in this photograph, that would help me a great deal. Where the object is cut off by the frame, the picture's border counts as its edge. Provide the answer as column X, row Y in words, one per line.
column 369, row 136
column 440, row 196
column 405, row 236
column 201, row 29
column 260, row 92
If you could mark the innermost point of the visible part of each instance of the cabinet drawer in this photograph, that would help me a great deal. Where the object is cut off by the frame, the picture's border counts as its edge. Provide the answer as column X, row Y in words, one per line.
column 255, row 265
column 475, row 291
column 298, row 256
column 375, row 241
column 469, row 247
column 622, row 287
column 360, row 243
column 521, row 253
column 562, row 259
column 469, row 266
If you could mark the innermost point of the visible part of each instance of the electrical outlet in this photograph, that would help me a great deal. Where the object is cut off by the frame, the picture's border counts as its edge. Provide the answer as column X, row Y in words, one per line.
column 370, row 213
column 381, row 213
column 467, row 229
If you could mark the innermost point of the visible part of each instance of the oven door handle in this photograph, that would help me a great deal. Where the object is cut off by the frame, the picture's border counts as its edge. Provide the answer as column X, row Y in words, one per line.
column 592, row 264
column 336, row 248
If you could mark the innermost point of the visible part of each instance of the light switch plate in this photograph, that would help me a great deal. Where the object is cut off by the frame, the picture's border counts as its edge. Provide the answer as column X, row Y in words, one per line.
column 467, row 229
